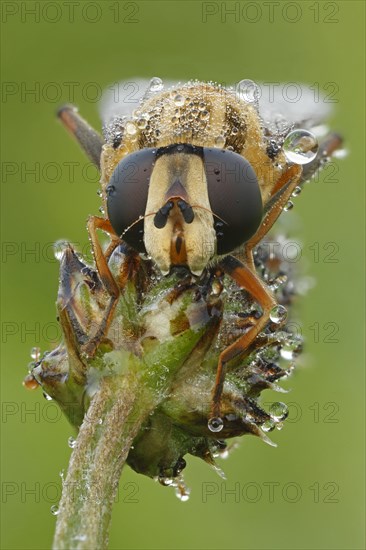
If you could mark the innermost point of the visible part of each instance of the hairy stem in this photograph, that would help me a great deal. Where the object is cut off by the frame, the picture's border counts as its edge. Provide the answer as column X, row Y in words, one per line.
column 110, row 425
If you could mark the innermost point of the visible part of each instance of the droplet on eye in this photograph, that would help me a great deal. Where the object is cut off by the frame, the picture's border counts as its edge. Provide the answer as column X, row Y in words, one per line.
column 300, row 146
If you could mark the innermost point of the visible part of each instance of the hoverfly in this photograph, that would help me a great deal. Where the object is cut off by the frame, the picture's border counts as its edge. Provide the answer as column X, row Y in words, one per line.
column 192, row 178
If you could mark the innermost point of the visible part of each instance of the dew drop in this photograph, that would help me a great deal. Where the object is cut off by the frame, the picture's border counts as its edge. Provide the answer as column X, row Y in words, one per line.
column 278, row 314
column 278, row 411
column 220, row 141
column 296, row 192
column 55, row 510
column 99, row 193
column 131, row 128
column 288, row 206
column 35, row 353
column 215, row 424
column 247, row 90
column 268, row 426
column 279, row 425
column 287, row 352
column 179, row 100
column 71, row 442
column 156, row 84
column 46, row 396
column 166, row 481
column 59, row 249
column 300, row 146
column 101, row 210
column 141, row 123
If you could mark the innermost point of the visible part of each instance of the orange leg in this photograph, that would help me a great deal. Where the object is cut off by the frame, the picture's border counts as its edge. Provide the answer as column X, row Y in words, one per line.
column 105, row 275
column 251, row 282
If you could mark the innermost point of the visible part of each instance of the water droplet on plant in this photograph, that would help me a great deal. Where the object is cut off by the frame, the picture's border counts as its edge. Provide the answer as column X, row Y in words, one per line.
column 55, row 510
column 247, row 90
column 71, row 442
column 35, row 353
column 166, row 481
column 156, row 84
column 278, row 411
column 288, row 206
column 59, row 249
column 268, row 426
column 220, row 141
column 131, row 128
column 287, row 352
column 215, row 424
column 278, row 314
column 300, row 146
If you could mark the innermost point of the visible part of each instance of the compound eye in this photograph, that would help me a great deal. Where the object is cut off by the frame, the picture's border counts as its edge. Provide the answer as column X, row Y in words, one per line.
column 127, row 193
column 234, row 196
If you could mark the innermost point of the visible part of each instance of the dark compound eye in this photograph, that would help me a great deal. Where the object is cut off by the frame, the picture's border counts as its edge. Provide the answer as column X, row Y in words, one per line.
column 234, row 196
column 127, row 193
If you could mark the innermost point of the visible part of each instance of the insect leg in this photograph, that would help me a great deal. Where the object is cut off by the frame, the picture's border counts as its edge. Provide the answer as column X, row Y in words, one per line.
column 250, row 281
column 331, row 143
column 90, row 141
column 284, row 188
column 106, row 277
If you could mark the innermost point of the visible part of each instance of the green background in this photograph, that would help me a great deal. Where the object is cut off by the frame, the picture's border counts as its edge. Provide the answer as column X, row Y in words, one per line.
column 322, row 445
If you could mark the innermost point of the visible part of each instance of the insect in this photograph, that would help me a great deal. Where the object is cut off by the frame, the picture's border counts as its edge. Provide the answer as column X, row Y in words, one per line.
column 193, row 177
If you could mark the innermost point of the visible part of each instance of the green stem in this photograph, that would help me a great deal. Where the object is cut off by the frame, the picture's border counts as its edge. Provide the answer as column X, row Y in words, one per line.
column 111, row 423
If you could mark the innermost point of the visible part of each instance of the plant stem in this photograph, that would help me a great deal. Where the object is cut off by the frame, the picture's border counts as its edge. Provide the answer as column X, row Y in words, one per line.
column 110, row 425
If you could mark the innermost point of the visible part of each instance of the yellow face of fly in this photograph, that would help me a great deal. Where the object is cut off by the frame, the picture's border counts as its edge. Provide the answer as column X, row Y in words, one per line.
column 202, row 115
column 174, row 177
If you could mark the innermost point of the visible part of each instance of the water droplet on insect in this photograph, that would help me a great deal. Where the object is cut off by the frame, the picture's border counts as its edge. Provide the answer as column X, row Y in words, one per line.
column 46, row 396
column 55, row 510
column 99, row 193
column 288, row 206
column 300, row 146
column 59, row 249
column 215, row 424
column 287, row 352
column 35, row 353
column 296, row 192
column 278, row 314
column 278, row 411
column 268, row 426
column 101, row 210
column 279, row 425
column 248, row 91
column 179, row 100
column 141, row 123
column 62, row 474
column 156, row 84
column 220, row 141
column 71, row 442
column 131, row 128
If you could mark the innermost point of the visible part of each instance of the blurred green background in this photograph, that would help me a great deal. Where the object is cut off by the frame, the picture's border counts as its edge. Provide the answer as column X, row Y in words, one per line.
column 307, row 493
